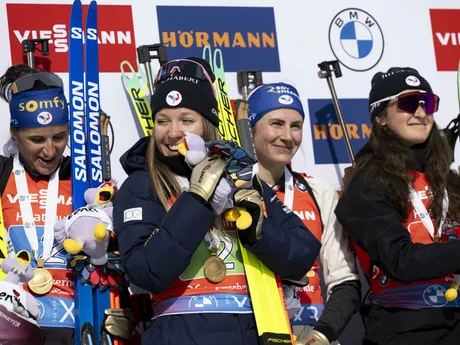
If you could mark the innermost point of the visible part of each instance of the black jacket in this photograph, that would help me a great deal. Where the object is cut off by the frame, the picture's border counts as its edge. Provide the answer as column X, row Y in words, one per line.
column 367, row 214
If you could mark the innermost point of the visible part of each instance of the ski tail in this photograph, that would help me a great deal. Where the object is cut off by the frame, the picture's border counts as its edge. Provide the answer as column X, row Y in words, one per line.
column 273, row 325
column 83, row 310
column 138, row 96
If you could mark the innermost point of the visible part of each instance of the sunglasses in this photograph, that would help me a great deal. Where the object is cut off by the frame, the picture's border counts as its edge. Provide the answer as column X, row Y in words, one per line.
column 27, row 82
column 184, row 67
column 410, row 101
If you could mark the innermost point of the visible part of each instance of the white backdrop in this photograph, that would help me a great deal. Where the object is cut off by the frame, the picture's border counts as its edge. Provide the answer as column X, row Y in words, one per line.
column 302, row 32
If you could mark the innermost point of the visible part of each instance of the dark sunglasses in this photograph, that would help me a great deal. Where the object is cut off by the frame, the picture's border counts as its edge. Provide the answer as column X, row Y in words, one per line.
column 183, row 67
column 410, row 101
column 27, row 82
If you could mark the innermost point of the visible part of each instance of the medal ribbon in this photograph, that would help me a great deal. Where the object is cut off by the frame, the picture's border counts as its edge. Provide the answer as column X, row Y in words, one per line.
column 27, row 213
column 288, row 188
column 424, row 214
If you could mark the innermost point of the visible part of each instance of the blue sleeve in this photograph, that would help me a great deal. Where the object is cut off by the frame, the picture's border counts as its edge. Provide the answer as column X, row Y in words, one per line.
column 155, row 246
column 287, row 247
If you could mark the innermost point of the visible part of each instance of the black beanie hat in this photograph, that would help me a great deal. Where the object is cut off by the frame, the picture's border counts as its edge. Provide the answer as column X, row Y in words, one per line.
column 394, row 81
column 185, row 91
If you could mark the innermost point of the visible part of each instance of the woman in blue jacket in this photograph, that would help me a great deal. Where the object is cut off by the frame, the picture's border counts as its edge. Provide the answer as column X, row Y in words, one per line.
column 171, row 233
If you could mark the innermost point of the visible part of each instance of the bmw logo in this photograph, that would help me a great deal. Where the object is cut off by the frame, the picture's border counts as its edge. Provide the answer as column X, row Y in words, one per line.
column 356, row 39
column 383, row 280
column 434, row 296
column 301, row 187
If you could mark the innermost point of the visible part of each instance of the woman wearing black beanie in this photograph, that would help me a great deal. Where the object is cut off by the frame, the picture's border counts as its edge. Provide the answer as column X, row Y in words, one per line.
column 173, row 240
column 401, row 209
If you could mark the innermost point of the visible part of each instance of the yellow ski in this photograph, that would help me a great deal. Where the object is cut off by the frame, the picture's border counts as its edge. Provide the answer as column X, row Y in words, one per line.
column 273, row 326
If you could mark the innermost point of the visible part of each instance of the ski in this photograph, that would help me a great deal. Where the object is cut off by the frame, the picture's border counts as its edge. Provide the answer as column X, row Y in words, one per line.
column 138, row 96
column 267, row 300
column 78, row 147
column 100, row 300
column 138, row 84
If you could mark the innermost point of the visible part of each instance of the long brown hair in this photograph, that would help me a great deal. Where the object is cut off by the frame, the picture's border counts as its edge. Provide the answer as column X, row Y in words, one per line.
column 389, row 160
column 164, row 181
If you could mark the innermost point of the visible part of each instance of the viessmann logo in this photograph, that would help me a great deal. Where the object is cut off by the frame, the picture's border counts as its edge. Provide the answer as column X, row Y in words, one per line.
column 445, row 25
column 246, row 35
column 32, row 21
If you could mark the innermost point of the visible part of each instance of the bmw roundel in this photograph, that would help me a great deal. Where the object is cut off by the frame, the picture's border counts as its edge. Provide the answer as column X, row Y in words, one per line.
column 356, row 39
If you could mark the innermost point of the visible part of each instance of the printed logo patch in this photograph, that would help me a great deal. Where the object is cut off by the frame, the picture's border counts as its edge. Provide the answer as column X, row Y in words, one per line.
column 133, row 214
column 285, row 99
column 434, row 296
column 174, row 98
column 44, row 118
column 412, row 81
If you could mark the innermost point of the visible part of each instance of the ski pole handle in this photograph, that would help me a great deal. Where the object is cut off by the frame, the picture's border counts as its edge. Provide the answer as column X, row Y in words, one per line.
column 29, row 47
column 247, row 81
column 145, row 57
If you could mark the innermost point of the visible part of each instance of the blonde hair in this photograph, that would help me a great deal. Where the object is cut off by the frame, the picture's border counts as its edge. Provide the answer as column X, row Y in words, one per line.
column 164, row 181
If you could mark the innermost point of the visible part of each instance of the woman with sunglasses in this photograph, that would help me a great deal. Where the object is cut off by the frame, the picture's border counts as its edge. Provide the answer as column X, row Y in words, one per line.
column 35, row 187
column 168, row 222
column 276, row 116
column 401, row 209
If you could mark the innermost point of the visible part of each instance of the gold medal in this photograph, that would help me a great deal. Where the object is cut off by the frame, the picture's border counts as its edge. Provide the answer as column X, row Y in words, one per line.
column 42, row 281
column 436, row 238
column 215, row 269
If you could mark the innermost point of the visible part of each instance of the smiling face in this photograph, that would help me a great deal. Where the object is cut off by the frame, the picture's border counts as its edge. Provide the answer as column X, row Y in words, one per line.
column 42, row 148
column 410, row 128
column 277, row 137
column 171, row 124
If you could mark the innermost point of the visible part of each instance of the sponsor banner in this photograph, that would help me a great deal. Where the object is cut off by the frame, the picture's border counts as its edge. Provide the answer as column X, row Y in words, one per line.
column 328, row 142
column 356, row 39
column 445, row 26
column 33, row 21
column 246, row 35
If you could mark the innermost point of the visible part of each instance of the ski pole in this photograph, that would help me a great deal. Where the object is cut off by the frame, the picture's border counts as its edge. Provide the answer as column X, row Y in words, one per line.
column 30, row 46
column 107, row 330
column 145, row 58
column 247, row 81
column 106, row 149
column 326, row 69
